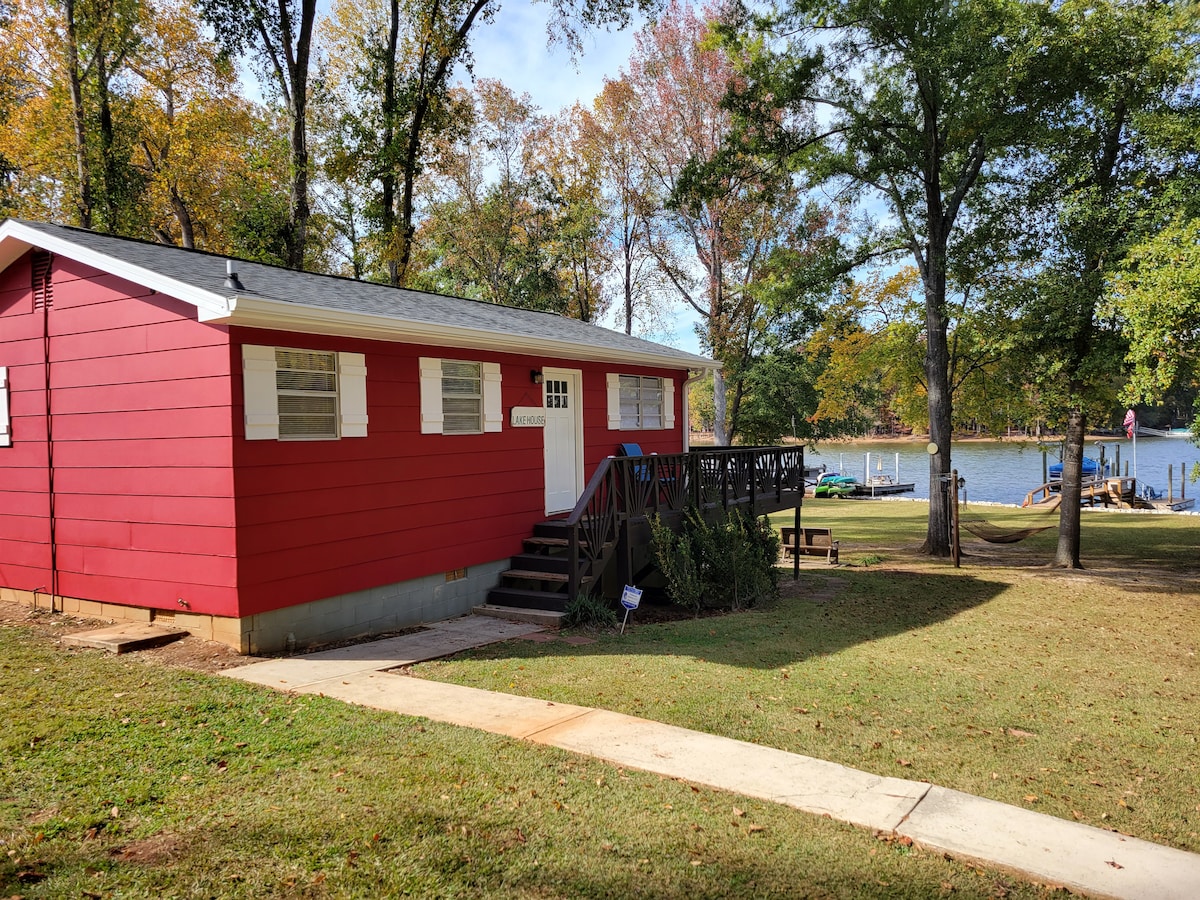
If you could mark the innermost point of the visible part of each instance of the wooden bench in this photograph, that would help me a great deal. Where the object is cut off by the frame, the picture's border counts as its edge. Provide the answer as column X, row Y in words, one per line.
column 813, row 542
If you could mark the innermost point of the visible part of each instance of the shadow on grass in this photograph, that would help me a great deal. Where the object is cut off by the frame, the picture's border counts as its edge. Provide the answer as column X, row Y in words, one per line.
column 818, row 615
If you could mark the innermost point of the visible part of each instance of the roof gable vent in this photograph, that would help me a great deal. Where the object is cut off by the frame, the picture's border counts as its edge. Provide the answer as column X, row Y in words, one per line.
column 43, row 286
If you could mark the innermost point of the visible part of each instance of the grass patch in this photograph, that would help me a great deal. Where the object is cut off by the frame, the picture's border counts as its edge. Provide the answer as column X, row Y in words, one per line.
column 124, row 779
column 865, row 560
column 1069, row 692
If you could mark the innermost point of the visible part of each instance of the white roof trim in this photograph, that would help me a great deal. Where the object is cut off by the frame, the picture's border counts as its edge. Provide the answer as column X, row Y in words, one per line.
column 278, row 315
column 16, row 238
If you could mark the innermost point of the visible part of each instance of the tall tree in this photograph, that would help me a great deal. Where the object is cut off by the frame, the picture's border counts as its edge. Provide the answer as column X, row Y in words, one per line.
column 490, row 226
column 609, row 129
column 730, row 215
column 63, row 58
column 279, row 35
column 194, row 130
column 1131, row 73
column 913, row 101
column 401, row 58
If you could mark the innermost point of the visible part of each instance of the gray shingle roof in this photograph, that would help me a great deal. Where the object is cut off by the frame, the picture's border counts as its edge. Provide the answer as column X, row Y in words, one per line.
column 206, row 272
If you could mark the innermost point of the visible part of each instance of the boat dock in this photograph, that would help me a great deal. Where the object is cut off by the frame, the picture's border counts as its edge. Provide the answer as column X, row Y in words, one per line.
column 1116, row 492
column 883, row 486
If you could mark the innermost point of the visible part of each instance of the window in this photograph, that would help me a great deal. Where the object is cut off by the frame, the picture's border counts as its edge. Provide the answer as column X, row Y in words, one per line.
column 306, row 392
column 297, row 395
column 640, row 402
column 462, row 397
column 459, row 397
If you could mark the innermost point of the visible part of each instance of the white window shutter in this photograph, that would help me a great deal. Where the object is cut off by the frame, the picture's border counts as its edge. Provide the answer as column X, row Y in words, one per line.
column 431, row 395
column 493, row 410
column 614, row 401
column 668, row 403
column 5, row 417
column 352, row 394
column 261, row 400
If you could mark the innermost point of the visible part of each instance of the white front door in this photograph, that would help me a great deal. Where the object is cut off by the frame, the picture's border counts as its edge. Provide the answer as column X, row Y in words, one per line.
column 563, row 438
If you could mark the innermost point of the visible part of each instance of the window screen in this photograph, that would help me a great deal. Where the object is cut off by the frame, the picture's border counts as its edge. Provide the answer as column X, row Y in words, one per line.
column 306, row 384
column 462, row 397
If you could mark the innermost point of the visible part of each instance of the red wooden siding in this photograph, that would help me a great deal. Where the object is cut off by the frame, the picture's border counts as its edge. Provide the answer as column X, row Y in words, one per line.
column 320, row 518
column 159, row 498
column 143, row 477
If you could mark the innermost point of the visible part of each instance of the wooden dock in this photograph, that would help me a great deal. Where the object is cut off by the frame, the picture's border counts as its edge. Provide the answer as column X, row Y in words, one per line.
column 1118, row 492
column 883, row 487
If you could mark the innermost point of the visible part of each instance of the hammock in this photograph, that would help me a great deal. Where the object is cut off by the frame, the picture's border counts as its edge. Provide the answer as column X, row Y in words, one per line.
column 994, row 534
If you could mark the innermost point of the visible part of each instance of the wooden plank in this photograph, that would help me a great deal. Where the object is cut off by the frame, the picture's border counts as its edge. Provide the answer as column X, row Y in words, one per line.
column 141, row 425
column 29, row 554
column 149, row 594
column 146, row 482
column 184, row 393
column 148, row 510
column 180, row 452
column 175, row 568
column 159, row 367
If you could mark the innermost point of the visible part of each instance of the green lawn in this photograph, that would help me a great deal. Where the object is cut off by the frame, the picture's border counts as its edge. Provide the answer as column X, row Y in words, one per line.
column 1071, row 693
column 124, row 779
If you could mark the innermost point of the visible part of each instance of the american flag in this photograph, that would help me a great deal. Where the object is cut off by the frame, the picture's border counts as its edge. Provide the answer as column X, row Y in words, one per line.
column 1130, row 423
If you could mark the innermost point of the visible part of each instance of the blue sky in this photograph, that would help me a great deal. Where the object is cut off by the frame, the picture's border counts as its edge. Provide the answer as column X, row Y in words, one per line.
column 514, row 49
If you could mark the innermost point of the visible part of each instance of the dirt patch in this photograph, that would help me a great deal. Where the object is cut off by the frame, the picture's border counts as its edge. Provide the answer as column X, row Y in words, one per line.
column 155, row 850
column 187, row 653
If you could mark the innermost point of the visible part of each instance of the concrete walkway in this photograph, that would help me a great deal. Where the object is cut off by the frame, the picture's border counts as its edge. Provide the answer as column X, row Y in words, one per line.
column 1044, row 848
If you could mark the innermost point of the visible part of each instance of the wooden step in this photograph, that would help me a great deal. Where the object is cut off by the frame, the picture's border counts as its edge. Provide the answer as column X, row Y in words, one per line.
column 531, row 575
column 547, row 618
column 522, row 598
column 538, row 541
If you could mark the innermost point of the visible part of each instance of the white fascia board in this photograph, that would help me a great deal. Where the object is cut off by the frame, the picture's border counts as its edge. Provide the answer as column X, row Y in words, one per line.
column 16, row 238
column 276, row 315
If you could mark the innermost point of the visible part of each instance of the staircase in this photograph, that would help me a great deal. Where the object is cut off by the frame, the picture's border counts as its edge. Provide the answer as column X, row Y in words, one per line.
column 535, row 587
column 609, row 524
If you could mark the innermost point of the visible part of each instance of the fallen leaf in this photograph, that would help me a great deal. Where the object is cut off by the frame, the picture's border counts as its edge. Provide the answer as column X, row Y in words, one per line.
column 754, row 829
column 1031, row 798
column 1115, row 864
column 738, row 812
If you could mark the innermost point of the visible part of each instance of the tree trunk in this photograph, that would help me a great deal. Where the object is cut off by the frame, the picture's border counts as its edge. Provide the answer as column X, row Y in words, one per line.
column 720, row 433
column 937, row 380
column 298, row 109
column 387, row 175
column 112, row 187
column 183, row 216
column 1067, row 554
column 83, row 203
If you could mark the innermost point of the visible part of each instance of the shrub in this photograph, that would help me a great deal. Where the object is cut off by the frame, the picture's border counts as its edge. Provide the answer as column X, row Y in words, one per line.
column 725, row 563
column 589, row 611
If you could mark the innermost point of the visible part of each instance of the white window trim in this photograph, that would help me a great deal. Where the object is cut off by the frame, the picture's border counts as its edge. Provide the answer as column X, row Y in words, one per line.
column 614, row 402
column 430, row 377
column 5, row 416
column 261, row 398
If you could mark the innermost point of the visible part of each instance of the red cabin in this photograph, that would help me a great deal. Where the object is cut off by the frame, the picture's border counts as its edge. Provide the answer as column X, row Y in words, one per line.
column 264, row 456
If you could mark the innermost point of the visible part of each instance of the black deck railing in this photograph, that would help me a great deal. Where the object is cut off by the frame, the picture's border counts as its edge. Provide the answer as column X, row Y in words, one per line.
column 758, row 479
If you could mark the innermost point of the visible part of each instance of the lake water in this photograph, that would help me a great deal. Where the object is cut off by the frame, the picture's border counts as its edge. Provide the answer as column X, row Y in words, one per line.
column 1004, row 471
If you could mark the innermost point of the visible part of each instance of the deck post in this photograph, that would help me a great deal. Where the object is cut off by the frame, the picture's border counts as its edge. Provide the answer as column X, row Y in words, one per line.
column 796, row 549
